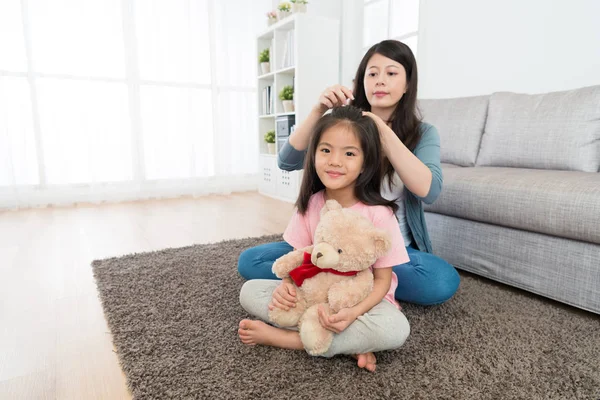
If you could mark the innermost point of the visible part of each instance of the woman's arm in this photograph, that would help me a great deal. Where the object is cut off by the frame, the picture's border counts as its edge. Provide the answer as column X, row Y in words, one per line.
column 291, row 155
column 301, row 136
column 420, row 172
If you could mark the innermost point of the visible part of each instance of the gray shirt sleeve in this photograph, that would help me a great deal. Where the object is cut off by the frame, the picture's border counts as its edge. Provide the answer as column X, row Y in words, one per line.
column 290, row 159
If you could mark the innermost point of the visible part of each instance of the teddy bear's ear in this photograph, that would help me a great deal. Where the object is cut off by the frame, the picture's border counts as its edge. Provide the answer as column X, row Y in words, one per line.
column 330, row 205
column 383, row 242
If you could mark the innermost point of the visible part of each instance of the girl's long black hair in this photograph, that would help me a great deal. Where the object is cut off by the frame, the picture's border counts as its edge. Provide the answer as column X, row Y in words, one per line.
column 368, row 184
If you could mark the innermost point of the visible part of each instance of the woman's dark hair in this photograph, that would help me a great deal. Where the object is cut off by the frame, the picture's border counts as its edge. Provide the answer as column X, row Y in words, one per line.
column 405, row 120
column 368, row 184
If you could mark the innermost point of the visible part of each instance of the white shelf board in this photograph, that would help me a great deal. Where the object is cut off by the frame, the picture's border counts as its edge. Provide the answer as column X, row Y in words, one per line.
column 286, row 70
column 265, row 76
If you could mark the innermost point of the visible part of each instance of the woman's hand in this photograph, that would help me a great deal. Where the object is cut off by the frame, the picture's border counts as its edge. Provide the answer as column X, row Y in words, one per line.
column 284, row 296
column 336, row 95
column 336, row 323
column 384, row 130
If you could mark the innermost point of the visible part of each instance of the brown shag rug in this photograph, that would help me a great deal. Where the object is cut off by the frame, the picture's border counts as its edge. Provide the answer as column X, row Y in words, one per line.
column 174, row 316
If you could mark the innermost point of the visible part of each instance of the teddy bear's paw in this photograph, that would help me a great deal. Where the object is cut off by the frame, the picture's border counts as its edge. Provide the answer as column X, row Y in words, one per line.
column 316, row 343
column 338, row 300
column 284, row 318
column 315, row 338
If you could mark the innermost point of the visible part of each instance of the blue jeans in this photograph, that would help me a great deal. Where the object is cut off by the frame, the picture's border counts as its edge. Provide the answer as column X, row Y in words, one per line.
column 426, row 279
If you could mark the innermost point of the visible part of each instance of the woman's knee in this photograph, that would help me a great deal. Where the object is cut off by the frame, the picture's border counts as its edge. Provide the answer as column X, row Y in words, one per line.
column 246, row 262
column 446, row 284
column 441, row 280
column 256, row 262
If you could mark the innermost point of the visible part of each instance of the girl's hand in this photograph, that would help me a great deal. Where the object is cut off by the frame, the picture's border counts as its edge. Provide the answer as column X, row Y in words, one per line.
column 336, row 323
column 284, row 296
column 336, row 95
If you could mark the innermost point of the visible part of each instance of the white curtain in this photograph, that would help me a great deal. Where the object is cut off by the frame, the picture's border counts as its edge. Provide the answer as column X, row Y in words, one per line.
column 125, row 99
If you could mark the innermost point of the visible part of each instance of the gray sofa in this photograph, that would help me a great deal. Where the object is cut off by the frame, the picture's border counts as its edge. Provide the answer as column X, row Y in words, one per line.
column 521, row 196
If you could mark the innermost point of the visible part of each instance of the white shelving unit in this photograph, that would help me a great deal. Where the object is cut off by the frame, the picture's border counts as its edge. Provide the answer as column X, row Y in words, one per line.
column 316, row 66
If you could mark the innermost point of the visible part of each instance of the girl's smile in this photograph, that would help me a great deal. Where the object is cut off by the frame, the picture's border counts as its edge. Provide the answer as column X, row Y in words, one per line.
column 339, row 158
column 334, row 174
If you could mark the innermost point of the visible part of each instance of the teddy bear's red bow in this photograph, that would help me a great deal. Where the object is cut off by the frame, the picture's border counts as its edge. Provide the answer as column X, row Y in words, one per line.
column 308, row 270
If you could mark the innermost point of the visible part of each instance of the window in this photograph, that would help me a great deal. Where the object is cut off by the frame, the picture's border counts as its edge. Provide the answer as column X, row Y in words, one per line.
column 391, row 19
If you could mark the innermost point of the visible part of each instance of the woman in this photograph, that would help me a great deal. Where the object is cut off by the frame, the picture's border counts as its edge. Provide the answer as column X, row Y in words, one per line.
column 386, row 89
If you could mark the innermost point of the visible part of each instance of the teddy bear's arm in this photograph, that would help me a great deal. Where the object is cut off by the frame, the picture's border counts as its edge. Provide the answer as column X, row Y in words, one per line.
column 284, row 264
column 350, row 292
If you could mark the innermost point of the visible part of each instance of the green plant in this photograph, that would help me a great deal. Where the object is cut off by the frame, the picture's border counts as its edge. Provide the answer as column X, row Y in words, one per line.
column 284, row 6
column 287, row 93
column 270, row 137
column 299, row 1
column 263, row 56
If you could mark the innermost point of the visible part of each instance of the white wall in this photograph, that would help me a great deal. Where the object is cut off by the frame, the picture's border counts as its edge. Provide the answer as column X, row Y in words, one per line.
column 472, row 47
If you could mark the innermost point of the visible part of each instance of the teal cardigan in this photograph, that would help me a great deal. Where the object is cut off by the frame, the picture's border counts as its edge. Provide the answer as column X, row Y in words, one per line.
column 427, row 150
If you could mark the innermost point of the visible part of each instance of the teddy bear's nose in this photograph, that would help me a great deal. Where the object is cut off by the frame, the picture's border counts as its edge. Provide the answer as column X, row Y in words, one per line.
column 319, row 254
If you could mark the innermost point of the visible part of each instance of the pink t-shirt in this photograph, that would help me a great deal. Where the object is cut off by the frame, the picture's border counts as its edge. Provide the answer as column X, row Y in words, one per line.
column 300, row 233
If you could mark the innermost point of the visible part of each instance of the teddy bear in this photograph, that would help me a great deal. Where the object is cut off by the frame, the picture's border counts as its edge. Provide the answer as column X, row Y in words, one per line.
column 333, row 273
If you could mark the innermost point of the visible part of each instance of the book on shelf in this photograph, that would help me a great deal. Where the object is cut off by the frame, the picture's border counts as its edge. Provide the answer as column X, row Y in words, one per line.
column 268, row 104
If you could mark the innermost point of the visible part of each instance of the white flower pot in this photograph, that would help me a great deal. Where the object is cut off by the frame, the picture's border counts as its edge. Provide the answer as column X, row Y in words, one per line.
column 265, row 67
column 298, row 8
column 271, row 21
column 288, row 106
column 282, row 14
column 271, row 148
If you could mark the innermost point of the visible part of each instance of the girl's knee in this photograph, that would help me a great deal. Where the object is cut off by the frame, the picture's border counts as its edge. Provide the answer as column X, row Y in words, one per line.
column 399, row 331
column 246, row 294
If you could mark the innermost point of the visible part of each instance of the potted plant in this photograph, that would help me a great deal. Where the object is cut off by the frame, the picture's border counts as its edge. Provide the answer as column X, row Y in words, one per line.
column 263, row 59
column 271, row 17
column 270, row 139
column 299, row 6
column 283, row 10
column 287, row 97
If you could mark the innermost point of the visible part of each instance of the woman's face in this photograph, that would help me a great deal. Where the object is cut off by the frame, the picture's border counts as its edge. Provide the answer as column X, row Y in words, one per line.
column 385, row 82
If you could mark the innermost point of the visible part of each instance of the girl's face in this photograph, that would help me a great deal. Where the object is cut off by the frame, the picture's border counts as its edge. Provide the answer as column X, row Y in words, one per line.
column 339, row 158
column 385, row 82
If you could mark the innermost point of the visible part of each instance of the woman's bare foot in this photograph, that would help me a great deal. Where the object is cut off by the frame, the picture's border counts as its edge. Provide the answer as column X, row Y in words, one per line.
column 252, row 332
column 366, row 360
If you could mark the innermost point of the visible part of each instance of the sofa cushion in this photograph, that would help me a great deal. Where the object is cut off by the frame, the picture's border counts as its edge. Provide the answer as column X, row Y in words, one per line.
column 460, row 124
column 559, row 130
column 561, row 203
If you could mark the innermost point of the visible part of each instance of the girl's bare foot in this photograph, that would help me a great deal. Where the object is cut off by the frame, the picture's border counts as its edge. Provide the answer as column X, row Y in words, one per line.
column 252, row 332
column 366, row 360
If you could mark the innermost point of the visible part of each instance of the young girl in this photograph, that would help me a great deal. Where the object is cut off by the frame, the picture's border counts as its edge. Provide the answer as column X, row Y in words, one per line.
column 343, row 163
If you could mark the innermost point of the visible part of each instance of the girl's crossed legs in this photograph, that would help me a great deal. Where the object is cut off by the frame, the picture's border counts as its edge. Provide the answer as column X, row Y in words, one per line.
column 384, row 327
